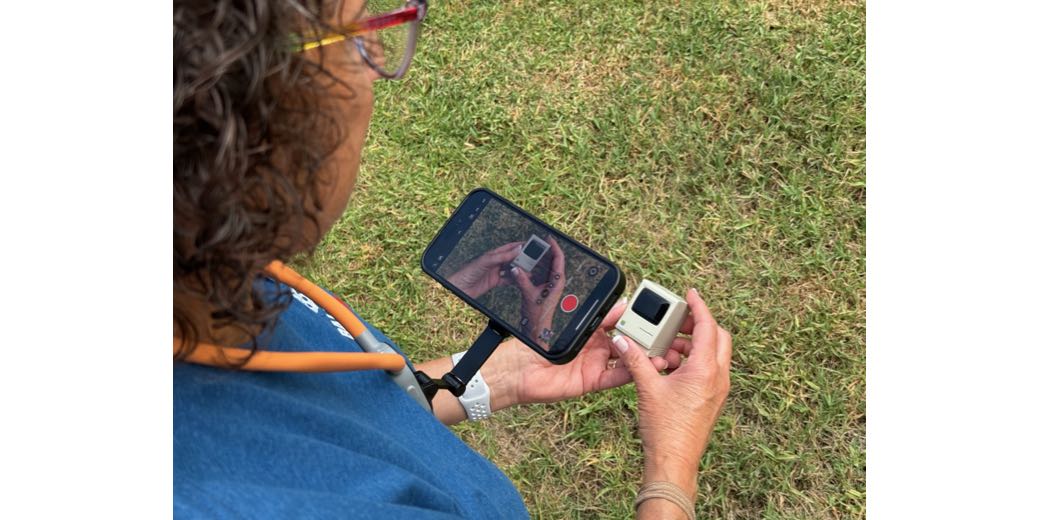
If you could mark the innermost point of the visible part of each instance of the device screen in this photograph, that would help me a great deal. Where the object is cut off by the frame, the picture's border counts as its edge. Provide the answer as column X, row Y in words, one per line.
column 650, row 306
column 534, row 249
column 521, row 273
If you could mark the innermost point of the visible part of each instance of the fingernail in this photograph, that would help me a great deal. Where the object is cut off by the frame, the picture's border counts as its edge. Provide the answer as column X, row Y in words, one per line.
column 694, row 289
column 621, row 303
column 620, row 343
column 514, row 270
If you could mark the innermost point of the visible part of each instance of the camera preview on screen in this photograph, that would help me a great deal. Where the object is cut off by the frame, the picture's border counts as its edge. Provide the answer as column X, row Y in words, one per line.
column 521, row 272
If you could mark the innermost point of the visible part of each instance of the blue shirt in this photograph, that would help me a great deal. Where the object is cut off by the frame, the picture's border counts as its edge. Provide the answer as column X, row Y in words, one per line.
column 340, row 445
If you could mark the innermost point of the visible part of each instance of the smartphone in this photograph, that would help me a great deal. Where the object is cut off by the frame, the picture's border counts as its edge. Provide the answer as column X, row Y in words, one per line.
column 545, row 288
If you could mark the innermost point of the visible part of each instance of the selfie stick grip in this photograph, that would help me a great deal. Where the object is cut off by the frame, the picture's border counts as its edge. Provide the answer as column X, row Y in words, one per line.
column 456, row 380
column 475, row 357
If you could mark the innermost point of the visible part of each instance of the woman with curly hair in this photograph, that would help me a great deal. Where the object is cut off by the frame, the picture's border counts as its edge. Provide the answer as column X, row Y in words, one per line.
column 271, row 105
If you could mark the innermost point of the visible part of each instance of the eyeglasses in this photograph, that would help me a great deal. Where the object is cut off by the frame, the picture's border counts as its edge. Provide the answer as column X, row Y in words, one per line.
column 385, row 41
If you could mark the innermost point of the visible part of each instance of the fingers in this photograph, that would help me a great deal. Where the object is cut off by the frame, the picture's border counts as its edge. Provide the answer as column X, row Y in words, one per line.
column 683, row 346
column 659, row 363
column 669, row 361
column 502, row 254
column 673, row 359
column 506, row 247
column 698, row 309
column 613, row 377
column 558, row 261
column 687, row 324
column 634, row 358
column 725, row 348
column 612, row 317
column 523, row 281
column 705, row 331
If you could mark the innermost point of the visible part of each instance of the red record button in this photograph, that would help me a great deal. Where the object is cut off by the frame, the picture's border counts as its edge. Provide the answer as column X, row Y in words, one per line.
column 569, row 303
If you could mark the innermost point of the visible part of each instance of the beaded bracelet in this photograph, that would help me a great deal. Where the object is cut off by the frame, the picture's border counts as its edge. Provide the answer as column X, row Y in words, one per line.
column 667, row 491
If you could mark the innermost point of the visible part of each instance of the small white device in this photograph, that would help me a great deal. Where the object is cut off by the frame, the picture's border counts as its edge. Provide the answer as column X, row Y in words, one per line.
column 533, row 251
column 654, row 317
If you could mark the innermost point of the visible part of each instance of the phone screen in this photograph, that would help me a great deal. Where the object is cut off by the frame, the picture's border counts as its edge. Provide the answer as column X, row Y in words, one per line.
column 519, row 271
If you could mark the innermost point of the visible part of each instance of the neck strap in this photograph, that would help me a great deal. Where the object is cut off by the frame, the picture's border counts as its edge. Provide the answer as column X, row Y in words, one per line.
column 267, row 361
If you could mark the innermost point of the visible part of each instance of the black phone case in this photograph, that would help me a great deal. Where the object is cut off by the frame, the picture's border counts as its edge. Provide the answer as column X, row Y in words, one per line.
column 556, row 356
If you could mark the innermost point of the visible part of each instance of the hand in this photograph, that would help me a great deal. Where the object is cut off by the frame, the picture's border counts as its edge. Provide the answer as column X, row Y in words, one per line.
column 538, row 302
column 677, row 411
column 521, row 376
column 486, row 272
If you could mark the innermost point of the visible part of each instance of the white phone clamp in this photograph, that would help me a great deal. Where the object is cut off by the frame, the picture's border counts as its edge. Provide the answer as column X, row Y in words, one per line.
column 654, row 317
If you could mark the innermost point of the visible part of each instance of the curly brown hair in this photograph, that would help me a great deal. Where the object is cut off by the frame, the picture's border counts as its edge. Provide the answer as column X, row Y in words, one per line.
column 251, row 131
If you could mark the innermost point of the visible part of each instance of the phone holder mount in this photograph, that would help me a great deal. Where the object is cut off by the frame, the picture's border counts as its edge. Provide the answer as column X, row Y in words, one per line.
column 457, row 378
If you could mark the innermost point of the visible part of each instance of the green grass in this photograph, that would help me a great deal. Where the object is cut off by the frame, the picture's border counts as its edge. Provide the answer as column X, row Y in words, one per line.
column 718, row 146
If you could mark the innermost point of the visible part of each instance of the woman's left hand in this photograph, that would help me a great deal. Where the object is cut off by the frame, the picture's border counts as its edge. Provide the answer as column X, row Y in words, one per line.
column 486, row 271
column 532, row 379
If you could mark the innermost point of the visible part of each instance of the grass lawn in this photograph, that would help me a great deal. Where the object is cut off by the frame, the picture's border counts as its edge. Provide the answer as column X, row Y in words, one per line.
column 715, row 145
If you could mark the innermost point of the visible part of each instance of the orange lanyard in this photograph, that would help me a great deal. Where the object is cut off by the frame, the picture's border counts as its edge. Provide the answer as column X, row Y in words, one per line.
column 267, row 361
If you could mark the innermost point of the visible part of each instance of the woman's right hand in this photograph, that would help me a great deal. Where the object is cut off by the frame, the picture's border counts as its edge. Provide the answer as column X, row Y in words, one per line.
column 677, row 411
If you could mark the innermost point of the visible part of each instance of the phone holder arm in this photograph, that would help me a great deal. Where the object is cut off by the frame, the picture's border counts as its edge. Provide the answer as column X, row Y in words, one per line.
column 457, row 378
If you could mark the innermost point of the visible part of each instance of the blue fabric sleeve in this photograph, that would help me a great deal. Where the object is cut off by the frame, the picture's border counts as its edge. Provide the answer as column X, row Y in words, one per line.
column 340, row 445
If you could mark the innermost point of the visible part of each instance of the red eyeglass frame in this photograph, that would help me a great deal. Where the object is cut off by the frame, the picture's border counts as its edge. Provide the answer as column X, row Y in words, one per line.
column 414, row 11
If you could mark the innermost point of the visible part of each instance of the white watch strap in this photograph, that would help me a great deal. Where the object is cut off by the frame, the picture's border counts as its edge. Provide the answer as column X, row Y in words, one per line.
column 477, row 398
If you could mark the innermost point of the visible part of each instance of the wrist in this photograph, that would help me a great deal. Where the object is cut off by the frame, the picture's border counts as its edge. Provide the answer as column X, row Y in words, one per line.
column 501, row 377
column 674, row 470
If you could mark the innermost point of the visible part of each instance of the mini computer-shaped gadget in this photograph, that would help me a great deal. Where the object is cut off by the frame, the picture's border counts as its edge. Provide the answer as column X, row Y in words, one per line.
column 654, row 317
column 532, row 252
